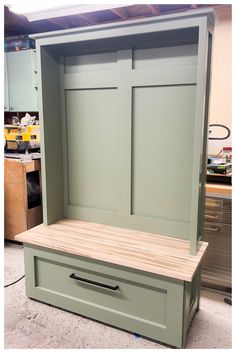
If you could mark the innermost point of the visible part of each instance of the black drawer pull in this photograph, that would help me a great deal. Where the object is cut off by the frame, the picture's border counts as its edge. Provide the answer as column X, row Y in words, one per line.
column 93, row 282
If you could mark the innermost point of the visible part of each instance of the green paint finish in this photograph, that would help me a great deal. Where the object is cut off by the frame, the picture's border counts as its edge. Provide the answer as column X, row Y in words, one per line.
column 153, row 306
column 165, row 56
column 200, row 138
column 91, row 63
column 22, row 80
column 101, row 89
column 92, row 148
column 110, row 131
column 6, row 95
column 162, row 153
column 51, row 136
column 171, row 57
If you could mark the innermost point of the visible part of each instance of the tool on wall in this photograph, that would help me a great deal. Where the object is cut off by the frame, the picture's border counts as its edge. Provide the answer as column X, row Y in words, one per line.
column 219, row 138
column 221, row 165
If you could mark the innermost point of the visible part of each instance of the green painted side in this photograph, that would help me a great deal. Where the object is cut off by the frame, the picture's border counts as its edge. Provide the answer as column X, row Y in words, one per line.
column 199, row 140
column 22, row 80
column 191, row 302
column 51, row 135
column 201, row 209
column 147, row 304
column 6, row 96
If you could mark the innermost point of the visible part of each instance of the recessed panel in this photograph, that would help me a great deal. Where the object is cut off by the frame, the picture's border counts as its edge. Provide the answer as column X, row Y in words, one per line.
column 92, row 148
column 165, row 56
column 91, row 63
column 162, row 140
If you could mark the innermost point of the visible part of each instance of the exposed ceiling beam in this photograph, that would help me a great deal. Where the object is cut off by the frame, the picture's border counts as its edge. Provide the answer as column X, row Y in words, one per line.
column 193, row 6
column 154, row 9
column 87, row 18
column 120, row 12
column 60, row 22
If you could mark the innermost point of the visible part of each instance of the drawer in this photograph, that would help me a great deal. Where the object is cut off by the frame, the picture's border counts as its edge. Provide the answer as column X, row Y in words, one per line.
column 218, row 204
column 217, row 229
column 215, row 203
column 218, row 216
column 137, row 301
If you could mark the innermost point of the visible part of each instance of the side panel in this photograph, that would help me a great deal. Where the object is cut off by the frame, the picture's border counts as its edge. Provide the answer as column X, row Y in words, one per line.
column 51, row 136
column 191, row 302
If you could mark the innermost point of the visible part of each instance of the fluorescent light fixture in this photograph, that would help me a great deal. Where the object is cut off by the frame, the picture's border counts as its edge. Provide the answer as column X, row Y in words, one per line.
column 35, row 12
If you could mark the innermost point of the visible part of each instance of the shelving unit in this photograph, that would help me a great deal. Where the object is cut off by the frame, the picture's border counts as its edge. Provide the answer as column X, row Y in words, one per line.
column 120, row 100
column 20, row 83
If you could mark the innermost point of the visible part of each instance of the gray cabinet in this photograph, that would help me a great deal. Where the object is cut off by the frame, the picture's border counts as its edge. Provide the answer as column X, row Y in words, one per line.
column 217, row 265
column 124, row 116
column 21, row 81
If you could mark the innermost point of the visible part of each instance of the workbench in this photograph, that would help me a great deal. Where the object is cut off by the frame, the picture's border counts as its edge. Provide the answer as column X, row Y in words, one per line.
column 21, row 187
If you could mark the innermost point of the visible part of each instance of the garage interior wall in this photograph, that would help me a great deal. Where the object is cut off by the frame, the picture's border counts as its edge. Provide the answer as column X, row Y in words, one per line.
column 221, row 79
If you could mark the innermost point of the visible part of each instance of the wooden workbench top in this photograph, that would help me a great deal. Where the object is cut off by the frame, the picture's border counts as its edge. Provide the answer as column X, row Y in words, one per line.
column 153, row 253
column 221, row 189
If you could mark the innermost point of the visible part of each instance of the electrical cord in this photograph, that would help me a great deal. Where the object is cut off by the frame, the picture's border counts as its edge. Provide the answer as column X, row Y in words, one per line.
column 10, row 284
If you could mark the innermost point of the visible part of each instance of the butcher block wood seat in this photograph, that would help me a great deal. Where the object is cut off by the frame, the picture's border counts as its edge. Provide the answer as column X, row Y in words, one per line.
column 149, row 252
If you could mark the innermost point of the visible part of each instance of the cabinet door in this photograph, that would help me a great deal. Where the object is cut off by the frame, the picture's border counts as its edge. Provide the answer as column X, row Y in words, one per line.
column 6, row 98
column 22, row 81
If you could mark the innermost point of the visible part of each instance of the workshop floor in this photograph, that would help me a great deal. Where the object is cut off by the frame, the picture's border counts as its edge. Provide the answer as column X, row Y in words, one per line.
column 30, row 324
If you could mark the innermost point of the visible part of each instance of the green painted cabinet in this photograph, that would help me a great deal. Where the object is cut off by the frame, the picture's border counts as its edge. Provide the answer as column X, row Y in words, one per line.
column 21, row 88
column 6, row 96
column 124, row 119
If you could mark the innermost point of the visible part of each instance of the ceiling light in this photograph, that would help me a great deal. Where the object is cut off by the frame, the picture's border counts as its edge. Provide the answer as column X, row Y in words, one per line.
column 35, row 12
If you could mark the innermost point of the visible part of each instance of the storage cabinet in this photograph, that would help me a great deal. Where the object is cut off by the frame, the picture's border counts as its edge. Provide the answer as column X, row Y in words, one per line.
column 6, row 96
column 120, row 100
column 217, row 265
column 21, row 81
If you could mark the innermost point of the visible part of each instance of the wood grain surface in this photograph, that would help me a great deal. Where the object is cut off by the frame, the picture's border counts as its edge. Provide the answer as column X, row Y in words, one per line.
column 219, row 188
column 143, row 251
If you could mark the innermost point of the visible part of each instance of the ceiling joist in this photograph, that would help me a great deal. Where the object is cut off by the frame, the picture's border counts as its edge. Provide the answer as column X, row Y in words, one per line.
column 120, row 12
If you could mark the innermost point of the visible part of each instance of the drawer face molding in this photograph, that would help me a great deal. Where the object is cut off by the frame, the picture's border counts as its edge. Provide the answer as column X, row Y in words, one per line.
column 148, row 304
column 126, row 299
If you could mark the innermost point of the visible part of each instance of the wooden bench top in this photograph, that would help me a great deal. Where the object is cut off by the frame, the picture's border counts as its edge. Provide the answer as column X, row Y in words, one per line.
column 149, row 252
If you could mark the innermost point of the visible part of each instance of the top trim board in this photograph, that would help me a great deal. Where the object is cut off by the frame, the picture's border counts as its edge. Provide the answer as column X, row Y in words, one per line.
column 210, row 13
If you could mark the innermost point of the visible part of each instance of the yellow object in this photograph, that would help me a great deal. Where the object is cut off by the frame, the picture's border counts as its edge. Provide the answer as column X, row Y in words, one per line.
column 21, row 137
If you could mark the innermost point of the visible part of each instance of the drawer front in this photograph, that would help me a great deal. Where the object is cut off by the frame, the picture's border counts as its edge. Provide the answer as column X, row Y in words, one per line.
column 215, row 203
column 218, row 216
column 217, row 229
column 148, row 305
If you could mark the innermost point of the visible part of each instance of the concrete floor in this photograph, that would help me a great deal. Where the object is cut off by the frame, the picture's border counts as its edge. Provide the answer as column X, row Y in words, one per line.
column 30, row 324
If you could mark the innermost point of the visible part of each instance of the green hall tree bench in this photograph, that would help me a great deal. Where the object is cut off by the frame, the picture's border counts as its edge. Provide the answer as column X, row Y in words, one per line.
column 124, row 122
